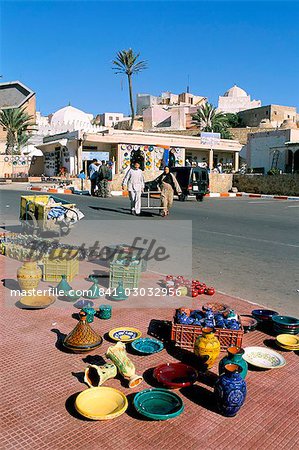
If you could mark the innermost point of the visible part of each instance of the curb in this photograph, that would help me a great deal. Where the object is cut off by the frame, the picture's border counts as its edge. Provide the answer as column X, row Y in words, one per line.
column 276, row 197
column 51, row 190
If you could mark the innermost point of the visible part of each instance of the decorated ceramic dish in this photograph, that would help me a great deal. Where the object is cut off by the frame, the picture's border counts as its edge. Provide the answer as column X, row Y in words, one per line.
column 125, row 334
column 248, row 323
column 216, row 307
column 175, row 375
column 147, row 345
column 37, row 301
column 263, row 315
column 101, row 403
column 158, row 404
column 264, row 358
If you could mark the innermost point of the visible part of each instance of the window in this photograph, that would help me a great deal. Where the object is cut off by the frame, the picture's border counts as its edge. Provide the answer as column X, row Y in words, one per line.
column 255, row 115
column 275, row 113
column 267, row 113
column 110, row 118
column 116, row 118
column 288, row 116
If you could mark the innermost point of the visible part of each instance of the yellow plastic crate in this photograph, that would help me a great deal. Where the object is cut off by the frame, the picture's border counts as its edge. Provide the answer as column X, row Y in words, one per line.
column 53, row 269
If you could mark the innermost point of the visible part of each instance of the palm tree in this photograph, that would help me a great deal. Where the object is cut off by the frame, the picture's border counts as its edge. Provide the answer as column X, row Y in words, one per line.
column 17, row 123
column 208, row 119
column 126, row 62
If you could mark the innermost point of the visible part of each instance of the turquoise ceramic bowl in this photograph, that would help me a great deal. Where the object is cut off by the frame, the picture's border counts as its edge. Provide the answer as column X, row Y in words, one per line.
column 286, row 321
column 147, row 346
column 158, row 404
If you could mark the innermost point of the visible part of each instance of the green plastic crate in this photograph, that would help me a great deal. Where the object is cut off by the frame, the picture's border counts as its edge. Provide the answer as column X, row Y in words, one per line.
column 128, row 274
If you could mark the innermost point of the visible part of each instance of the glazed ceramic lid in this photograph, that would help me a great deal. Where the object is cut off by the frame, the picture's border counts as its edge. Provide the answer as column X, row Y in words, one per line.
column 101, row 403
column 158, row 404
column 83, row 338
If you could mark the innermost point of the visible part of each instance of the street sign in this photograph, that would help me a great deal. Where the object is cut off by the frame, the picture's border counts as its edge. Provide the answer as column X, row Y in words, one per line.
column 100, row 156
column 210, row 138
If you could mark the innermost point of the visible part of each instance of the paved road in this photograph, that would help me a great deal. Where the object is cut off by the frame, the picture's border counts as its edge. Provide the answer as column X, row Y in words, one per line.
column 244, row 247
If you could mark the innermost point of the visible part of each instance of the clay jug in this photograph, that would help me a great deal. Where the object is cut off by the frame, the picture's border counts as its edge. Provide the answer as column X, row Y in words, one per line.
column 29, row 275
column 230, row 390
column 96, row 375
column 207, row 347
column 234, row 356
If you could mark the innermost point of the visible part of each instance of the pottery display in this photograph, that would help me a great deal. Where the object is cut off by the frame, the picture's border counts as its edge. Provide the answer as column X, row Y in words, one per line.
column 118, row 355
column 119, row 293
column 147, row 346
column 248, row 323
column 158, row 404
column 264, row 358
column 94, row 291
column 82, row 338
column 105, row 312
column 125, row 334
column 29, row 275
column 36, row 301
column 207, row 347
column 175, row 375
column 288, row 342
column 63, row 287
column 101, row 403
column 234, row 356
column 90, row 313
column 230, row 390
column 285, row 324
column 97, row 375
column 264, row 318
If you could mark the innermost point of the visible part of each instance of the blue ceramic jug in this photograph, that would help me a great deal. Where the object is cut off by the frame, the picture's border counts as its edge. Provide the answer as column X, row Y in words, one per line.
column 230, row 390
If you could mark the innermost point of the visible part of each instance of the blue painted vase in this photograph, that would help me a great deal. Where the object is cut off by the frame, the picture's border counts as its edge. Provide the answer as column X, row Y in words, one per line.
column 234, row 356
column 230, row 390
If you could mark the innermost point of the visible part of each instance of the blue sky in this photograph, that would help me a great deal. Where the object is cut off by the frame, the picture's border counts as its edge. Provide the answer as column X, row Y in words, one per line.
column 64, row 50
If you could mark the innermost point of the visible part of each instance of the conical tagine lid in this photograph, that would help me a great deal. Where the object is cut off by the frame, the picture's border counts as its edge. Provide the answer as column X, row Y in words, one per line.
column 83, row 338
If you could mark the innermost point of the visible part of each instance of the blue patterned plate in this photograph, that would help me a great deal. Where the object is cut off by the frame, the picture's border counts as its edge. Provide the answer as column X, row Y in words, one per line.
column 147, row 346
column 125, row 334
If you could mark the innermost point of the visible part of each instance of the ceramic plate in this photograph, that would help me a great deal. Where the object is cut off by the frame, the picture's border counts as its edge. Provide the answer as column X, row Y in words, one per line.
column 286, row 339
column 101, row 403
column 175, row 375
column 263, row 357
column 288, row 347
column 37, row 301
column 125, row 334
column 158, row 404
column 147, row 346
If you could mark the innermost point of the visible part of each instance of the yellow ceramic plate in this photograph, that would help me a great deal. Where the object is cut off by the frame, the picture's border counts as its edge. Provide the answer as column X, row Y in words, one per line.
column 125, row 334
column 288, row 347
column 288, row 340
column 101, row 403
column 36, row 301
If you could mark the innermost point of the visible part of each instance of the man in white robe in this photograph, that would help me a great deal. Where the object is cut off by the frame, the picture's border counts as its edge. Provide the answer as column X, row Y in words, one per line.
column 134, row 182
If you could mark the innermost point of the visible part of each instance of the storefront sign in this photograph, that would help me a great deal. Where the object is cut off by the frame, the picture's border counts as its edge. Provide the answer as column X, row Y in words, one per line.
column 100, row 156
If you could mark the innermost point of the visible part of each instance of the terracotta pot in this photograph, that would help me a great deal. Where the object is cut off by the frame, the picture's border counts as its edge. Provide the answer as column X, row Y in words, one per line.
column 207, row 347
column 29, row 275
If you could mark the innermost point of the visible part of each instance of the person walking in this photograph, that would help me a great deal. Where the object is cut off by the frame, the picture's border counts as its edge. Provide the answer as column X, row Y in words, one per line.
column 104, row 175
column 134, row 182
column 93, row 175
column 168, row 185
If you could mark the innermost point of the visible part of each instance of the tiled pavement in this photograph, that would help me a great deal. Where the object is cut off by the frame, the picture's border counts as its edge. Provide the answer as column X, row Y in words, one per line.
column 39, row 382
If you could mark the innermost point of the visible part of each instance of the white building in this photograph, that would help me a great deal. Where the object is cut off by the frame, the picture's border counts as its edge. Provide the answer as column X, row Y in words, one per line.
column 110, row 119
column 235, row 100
column 145, row 101
column 274, row 148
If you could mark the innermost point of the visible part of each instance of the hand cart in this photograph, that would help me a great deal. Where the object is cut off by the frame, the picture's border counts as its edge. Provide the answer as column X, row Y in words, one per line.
column 151, row 200
column 34, row 211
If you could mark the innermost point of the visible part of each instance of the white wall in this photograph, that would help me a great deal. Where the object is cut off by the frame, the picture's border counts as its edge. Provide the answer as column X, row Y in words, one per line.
column 260, row 148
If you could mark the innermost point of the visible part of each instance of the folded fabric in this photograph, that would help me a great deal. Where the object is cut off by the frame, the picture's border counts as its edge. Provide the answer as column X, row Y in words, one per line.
column 56, row 212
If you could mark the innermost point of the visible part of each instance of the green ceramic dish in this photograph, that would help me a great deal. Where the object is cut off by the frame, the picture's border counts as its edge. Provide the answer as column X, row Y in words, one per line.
column 147, row 346
column 158, row 404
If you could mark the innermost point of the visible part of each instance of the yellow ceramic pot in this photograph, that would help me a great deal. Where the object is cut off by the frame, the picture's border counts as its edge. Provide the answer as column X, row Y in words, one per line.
column 29, row 275
column 207, row 347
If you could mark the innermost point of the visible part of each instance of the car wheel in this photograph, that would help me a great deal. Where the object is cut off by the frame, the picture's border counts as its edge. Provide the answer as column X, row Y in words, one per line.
column 199, row 198
column 182, row 197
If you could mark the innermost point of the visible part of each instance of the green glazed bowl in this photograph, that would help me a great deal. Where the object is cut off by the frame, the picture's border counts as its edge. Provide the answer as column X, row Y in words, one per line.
column 158, row 404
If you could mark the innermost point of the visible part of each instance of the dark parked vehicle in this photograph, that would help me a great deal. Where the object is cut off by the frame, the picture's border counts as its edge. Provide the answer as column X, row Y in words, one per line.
column 194, row 181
